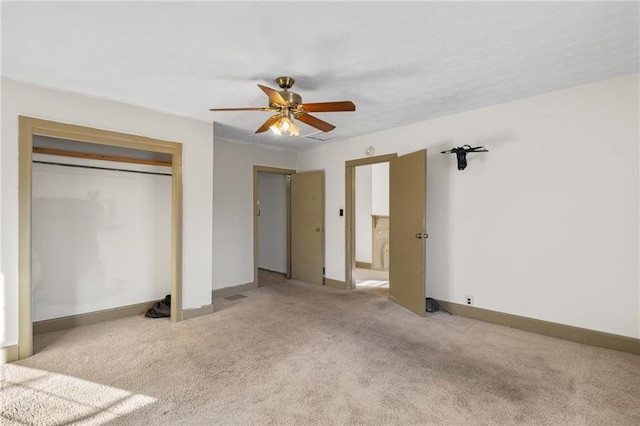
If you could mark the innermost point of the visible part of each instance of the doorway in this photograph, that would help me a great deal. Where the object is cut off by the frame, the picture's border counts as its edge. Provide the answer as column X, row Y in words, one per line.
column 407, row 227
column 32, row 127
column 350, row 229
column 372, row 228
column 305, row 225
column 271, row 189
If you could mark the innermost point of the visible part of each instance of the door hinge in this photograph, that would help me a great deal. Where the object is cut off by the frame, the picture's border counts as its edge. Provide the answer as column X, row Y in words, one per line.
column 323, row 271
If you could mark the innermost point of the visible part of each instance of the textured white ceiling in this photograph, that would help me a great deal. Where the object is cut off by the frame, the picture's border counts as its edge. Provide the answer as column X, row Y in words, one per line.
column 399, row 62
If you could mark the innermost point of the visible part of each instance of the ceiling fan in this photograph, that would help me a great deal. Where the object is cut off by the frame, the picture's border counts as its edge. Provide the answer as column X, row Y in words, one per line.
column 287, row 105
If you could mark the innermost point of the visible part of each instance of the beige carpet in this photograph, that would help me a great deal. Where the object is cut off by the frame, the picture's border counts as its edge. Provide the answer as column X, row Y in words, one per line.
column 292, row 353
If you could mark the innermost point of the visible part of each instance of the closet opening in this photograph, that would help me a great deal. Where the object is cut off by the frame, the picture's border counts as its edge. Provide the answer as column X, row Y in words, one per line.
column 100, row 226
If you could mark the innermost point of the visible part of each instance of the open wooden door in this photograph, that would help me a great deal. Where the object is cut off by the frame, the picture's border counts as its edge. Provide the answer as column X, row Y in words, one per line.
column 407, row 234
column 307, row 227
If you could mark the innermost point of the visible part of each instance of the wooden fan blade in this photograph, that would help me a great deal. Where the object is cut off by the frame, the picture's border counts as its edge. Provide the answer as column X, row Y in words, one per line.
column 241, row 109
column 270, row 122
column 329, row 106
column 316, row 122
column 274, row 96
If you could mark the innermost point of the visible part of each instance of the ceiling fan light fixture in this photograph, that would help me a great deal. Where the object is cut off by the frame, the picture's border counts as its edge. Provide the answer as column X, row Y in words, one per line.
column 275, row 129
column 285, row 125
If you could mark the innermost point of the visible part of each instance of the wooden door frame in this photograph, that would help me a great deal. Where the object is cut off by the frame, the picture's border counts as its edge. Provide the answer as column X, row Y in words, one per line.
column 350, row 212
column 30, row 127
column 267, row 169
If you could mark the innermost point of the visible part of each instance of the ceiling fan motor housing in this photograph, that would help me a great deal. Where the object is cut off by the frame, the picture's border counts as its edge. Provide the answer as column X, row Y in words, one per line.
column 291, row 97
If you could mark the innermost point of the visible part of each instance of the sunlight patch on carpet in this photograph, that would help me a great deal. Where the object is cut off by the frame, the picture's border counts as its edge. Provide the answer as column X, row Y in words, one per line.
column 372, row 283
column 31, row 396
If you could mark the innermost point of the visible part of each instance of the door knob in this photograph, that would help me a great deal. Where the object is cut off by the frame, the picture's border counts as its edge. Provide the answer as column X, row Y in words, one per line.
column 319, row 229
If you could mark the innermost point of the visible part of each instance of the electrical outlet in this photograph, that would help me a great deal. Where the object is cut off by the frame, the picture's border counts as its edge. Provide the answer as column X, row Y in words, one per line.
column 468, row 299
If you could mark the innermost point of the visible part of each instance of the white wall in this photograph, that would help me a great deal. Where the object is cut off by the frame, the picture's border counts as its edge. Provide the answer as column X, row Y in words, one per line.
column 545, row 225
column 197, row 139
column 272, row 222
column 101, row 239
column 233, row 207
column 363, row 213
column 380, row 189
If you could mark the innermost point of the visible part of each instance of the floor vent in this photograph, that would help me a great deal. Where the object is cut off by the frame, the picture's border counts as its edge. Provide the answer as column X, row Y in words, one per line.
column 235, row 297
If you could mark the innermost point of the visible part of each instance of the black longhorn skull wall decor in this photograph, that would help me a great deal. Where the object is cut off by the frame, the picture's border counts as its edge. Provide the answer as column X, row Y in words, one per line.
column 461, row 154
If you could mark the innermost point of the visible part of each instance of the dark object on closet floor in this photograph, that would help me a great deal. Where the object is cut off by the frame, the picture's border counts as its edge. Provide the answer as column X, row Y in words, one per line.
column 161, row 309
